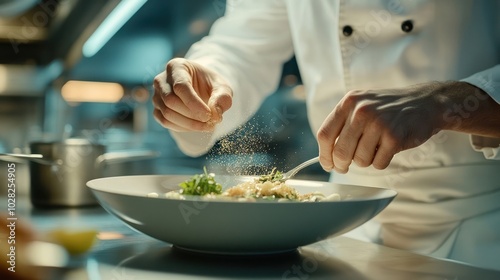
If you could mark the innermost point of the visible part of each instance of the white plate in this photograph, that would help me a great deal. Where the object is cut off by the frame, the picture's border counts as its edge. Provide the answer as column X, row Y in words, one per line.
column 229, row 227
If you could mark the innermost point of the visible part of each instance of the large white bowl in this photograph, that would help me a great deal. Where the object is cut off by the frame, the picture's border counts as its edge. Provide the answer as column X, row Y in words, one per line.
column 231, row 227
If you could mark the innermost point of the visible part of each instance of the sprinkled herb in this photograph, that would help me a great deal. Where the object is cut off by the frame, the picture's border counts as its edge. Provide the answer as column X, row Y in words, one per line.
column 201, row 184
column 274, row 176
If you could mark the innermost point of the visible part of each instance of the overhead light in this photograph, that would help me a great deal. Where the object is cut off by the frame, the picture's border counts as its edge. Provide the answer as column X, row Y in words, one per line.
column 111, row 24
column 83, row 91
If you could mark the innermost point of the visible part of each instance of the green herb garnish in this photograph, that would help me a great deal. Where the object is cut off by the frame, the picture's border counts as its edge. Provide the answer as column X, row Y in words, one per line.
column 274, row 176
column 201, row 184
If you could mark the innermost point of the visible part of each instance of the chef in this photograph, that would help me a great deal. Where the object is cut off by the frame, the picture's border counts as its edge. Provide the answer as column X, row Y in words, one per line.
column 401, row 94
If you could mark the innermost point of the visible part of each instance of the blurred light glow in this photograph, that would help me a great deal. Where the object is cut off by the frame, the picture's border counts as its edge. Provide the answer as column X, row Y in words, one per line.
column 18, row 33
column 12, row 8
column 290, row 80
column 40, row 253
column 3, row 78
column 299, row 92
column 109, row 235
column 198, row 26
column 83, row 91
column 140, row 94
column 13, row 77
column 111, row 24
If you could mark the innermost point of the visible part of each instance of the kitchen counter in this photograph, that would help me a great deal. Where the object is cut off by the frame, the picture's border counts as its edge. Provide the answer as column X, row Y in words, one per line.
column 122, row 253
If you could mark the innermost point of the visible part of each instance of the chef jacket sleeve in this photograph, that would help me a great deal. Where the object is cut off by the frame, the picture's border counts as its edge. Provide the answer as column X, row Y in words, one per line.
column 248, row 47
column 489, row 81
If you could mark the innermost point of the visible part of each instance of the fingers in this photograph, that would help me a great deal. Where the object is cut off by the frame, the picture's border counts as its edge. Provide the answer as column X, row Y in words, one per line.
column 176, row 122
column 188, row 97
column 383, row 157
column 388, row 147
column 327, row 135
column 352, row 132
column 220, row 101
column 347, row 143
column 161, row 84
column 365, row 149
column 180, row 76
column 158, row 116
column 172, row 119
column 367, row 146
column 372, row 148
column 184, row 90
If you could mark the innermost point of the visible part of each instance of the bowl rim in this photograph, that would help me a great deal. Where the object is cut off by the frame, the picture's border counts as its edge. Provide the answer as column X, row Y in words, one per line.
column 384, row 193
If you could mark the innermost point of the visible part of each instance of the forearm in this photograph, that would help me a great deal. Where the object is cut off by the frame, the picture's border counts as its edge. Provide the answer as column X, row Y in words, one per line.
column 466, row 108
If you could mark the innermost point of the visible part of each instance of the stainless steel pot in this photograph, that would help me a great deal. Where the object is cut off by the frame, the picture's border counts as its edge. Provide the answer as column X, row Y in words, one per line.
column 59, row 178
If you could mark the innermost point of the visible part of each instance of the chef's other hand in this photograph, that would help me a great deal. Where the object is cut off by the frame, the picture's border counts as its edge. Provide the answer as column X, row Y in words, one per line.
column 370, row 126
column 189, row 97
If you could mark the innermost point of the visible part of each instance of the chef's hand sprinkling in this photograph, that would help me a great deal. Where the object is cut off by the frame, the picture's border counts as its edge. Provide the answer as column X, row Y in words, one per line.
column 189, row 97
column 370, row 127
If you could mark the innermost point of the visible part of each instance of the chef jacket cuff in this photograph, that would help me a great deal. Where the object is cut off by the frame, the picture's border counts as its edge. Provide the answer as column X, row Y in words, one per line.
column 490, row 147
column 193, row 144
column 487, row 80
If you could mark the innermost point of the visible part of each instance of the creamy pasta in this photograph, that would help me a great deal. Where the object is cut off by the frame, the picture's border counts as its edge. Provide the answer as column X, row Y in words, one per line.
column 258, row 190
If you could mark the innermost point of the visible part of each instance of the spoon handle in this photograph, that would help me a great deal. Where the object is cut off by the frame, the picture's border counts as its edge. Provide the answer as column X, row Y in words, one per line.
column 299, row 167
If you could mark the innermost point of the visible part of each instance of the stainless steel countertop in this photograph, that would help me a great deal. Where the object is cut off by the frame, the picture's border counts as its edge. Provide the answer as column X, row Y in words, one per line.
column 127, row 254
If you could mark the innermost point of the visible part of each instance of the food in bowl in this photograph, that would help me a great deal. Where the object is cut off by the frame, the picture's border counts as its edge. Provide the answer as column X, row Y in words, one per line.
column 266, row 187
column 231, row 227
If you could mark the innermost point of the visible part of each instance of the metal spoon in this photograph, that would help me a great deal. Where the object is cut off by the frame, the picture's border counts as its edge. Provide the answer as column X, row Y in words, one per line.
column 299, row 167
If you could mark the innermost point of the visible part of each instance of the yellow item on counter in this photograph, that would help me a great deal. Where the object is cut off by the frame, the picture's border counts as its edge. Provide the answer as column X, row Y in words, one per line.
column 75, row 241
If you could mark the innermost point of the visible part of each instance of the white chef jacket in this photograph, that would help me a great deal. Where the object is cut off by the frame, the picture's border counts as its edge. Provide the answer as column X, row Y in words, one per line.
column 448, row 202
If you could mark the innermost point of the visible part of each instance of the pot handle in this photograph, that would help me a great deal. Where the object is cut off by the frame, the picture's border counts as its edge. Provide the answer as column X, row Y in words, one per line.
column 124, row 156
column 22, row 158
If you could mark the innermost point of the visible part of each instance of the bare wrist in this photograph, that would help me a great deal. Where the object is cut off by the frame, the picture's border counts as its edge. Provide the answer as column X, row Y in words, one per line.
column 463, row 105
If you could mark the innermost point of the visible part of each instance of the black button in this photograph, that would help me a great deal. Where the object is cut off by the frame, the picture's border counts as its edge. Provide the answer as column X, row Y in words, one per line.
column 347, row 30
column 407, row 26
